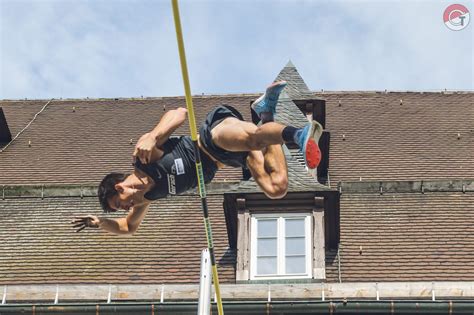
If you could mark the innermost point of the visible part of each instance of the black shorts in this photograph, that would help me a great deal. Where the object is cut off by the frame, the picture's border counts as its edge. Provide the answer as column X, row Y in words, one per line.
column 217, row 115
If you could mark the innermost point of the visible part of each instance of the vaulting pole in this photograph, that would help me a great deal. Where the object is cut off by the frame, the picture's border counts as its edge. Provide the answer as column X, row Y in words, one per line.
column 200, row 176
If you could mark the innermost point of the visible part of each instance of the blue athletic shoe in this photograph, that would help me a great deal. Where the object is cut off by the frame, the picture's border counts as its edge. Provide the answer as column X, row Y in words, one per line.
column 307, row 140
column 267, row 102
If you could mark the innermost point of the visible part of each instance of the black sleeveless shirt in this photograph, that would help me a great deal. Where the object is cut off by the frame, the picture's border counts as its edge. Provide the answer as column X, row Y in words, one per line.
column 175, row 172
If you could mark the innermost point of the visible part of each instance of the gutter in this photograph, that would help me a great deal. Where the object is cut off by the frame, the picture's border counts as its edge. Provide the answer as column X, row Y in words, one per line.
column 300, row 307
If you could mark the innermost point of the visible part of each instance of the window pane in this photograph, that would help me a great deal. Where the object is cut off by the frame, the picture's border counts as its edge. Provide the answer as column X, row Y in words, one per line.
column 295, row 264
column 294, row 227
column 266, row 265
column 267, row 228
column 295, row 246
column 267, row 247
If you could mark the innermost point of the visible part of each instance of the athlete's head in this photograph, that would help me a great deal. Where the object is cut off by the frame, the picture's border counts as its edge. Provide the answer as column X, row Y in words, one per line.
column 114, row 194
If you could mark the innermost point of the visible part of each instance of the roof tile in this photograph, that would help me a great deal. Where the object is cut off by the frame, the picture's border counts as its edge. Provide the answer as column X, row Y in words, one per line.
column 39, row 245
column 406, row 237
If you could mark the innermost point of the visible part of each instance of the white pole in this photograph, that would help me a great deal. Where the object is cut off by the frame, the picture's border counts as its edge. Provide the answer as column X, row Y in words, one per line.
column 56, row 299
column 4, row 300
column 204, row 306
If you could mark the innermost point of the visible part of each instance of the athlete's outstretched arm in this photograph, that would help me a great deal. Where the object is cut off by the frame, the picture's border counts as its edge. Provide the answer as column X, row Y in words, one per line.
column 127, row 225
column 147, row 143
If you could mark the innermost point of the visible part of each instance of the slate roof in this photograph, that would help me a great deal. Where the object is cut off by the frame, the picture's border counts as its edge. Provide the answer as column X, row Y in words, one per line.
column 405, row 237
column 386, row 140
column 79, row 141
column 39, row 245
column 296, row 88
column 21, row 113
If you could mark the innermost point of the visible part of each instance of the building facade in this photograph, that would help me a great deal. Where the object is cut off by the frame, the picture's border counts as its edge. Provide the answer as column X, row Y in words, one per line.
column 385, row 224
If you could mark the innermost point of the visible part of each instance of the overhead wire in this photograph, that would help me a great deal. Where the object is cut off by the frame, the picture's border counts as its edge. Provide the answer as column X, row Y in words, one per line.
column 26, row 127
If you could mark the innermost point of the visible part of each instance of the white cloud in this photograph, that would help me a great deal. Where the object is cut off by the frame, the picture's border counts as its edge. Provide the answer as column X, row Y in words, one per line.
column 383, row 45
column 78, row 49
column 54, row 48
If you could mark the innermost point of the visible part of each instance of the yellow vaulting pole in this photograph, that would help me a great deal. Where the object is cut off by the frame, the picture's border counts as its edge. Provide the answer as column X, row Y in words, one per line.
column 200, row 176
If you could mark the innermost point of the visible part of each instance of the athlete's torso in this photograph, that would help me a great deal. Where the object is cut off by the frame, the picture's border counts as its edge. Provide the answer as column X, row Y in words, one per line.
column 175, row 172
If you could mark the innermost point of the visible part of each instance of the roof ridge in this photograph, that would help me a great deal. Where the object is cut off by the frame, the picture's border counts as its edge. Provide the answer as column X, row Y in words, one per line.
column 136, row 98
column 322, row 91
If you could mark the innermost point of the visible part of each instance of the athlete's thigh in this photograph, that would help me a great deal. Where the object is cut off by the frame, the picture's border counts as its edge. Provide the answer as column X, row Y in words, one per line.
column 232, row 134
column 273, row 184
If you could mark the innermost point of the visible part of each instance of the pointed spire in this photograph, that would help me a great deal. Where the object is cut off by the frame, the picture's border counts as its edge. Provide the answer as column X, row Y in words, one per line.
column 290, row 64
column 296, row 88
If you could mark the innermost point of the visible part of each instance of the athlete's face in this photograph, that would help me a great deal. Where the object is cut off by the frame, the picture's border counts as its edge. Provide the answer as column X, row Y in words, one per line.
column 124, row 199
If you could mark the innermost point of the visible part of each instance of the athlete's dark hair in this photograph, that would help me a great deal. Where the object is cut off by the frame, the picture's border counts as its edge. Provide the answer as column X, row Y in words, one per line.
column 107, row 189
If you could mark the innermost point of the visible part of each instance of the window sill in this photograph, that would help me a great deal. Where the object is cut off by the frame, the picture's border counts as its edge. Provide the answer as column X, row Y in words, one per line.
column 279, row 281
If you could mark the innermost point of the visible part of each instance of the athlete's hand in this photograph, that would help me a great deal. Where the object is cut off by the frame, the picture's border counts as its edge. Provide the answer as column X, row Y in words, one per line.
column 80, row 223
column 144, row 148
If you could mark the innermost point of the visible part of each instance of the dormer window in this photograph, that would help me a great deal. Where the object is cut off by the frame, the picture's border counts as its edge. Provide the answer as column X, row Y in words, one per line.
column 280, row 246
column 280, row 240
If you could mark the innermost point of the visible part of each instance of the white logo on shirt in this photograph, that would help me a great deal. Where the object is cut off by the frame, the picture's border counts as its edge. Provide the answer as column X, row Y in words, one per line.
column 179, row 166
column 171, row 184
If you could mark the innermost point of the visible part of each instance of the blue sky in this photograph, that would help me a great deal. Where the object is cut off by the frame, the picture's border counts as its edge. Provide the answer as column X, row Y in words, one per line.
column 127, row 48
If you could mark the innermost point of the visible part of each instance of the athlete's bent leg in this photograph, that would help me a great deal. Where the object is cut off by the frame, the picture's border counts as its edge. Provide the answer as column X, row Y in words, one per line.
column 233, row 134
column 269, row 170
column 266, row 160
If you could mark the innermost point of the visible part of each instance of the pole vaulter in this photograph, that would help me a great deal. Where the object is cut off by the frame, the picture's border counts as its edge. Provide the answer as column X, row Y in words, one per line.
column 166, row 165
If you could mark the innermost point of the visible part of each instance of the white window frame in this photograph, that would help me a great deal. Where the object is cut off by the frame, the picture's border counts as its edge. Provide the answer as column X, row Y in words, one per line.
column 281, row 245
